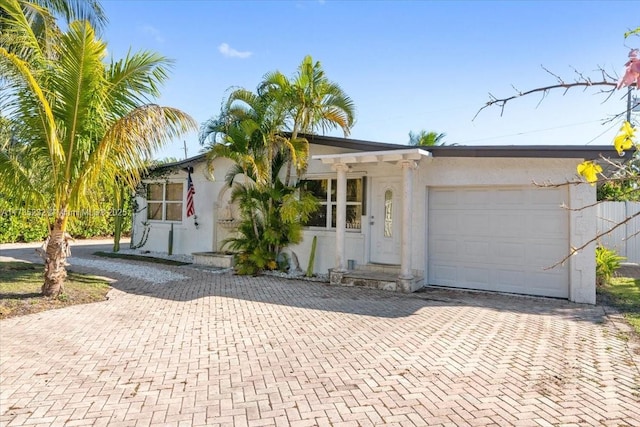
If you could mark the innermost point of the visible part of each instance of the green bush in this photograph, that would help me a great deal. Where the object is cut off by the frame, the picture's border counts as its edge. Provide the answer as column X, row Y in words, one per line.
column 16, row 226
column 272, row 218
column 607, row 262
column 30, row 225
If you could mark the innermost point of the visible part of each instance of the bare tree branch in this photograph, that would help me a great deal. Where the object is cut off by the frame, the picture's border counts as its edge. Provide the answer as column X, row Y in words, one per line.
column 596, row 238
column 584, row 82
column 618, row 172
column 581, row 208
column 606, row 75
column 579, row 182
column 633, row 235
column 599, row 202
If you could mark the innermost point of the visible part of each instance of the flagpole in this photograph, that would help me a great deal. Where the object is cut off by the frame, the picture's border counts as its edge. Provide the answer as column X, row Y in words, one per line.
column 191, row 211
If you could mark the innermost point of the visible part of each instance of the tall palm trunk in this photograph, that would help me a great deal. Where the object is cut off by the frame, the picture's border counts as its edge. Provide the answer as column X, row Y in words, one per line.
column 118, row 203
column 287, row 178
column 55, row 271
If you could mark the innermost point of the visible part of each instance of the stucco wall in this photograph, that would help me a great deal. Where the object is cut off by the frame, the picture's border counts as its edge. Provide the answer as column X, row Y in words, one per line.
column 436, row 172
column 464, row 172
column 187, row 237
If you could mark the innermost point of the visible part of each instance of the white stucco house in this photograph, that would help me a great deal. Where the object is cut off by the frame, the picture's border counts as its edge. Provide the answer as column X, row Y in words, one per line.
column 455, row 216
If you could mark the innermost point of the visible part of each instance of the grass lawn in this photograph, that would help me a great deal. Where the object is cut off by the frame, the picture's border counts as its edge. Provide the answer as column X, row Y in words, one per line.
column 624, row 294
column 20, row 284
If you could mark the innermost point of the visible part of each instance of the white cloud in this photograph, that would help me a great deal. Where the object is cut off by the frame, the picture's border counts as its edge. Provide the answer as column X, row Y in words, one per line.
column 153, row 32
column 230, row 52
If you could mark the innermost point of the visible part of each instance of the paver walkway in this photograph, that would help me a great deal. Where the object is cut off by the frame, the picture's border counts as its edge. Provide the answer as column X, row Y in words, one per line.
column 222, row 349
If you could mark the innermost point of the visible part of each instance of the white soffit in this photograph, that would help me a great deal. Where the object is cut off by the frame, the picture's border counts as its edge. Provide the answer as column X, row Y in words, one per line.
column 390, row 156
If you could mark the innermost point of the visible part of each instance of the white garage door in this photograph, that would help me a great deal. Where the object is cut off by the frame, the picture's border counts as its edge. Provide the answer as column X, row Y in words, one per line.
column 499, row 239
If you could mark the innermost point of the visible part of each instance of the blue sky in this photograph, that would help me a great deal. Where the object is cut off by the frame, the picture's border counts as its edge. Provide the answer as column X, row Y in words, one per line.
column 407, row 66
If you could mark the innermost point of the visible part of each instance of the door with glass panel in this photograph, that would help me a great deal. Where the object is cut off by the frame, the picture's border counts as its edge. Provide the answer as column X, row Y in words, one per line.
column 385, row 220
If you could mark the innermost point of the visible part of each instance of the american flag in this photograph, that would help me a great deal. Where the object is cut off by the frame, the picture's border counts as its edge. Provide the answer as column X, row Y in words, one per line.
column 191, row 210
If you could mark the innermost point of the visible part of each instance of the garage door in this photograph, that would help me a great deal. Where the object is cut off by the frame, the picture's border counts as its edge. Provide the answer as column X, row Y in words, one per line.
column 499, row 239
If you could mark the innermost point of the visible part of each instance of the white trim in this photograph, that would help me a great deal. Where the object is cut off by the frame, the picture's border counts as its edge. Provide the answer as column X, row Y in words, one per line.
column 164, row 202
column 373, row 156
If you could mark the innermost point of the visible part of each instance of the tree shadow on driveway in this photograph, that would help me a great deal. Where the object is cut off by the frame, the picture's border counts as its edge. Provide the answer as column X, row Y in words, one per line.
column 188, row 283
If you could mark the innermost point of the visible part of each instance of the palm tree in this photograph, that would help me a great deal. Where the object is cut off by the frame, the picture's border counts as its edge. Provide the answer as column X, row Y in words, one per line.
column 78, row 121
column 426, row 139
column 312, row 103
column 253, row 128
column 243, row 132
column 261, row 132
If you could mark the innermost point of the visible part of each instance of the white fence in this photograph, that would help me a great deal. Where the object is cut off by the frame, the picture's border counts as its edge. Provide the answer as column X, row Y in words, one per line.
column 625, row 239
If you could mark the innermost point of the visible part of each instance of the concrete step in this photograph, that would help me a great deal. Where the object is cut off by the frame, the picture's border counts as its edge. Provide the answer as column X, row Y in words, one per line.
column 373, row 278
column 385, row 269
column 378, row 268
column 214, row 259
column 370, row 279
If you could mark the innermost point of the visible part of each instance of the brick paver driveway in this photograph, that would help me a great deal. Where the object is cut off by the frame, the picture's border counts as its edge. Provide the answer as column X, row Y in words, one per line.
column 213, row 349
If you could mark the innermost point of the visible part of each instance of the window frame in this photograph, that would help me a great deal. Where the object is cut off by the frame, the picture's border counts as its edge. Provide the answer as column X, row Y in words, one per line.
column 165, row 201
column 330, row 205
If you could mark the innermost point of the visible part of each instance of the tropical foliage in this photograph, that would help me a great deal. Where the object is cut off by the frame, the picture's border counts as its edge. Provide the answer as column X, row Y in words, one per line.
column 265, row 134
column 20, row 224
column 607, row 262
column 76, row 122
column 272, row 219
column 426, row 139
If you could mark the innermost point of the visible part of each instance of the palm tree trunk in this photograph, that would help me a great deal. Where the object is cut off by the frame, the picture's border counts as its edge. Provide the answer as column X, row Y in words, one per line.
column 55, row 271
column 287, row 178
column 118, row 197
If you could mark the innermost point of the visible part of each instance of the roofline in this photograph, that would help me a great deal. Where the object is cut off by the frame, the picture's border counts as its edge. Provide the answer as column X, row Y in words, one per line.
column 331, row 141
column 191, row 161
column 529, row 151
column 354, row 144
column 515, row 151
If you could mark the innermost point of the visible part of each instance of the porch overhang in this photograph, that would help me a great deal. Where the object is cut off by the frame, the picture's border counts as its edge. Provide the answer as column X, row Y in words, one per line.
column 388, row 156
column 407, row 160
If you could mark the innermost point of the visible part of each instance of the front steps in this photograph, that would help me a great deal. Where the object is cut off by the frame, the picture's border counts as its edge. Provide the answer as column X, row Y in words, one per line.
column 377, row 276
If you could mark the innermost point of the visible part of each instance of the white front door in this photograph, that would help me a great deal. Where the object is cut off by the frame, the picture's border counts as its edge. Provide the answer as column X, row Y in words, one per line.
column 385, row 214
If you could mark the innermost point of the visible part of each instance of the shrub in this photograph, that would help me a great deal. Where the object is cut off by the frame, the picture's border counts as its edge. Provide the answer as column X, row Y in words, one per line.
column 607, row 262
column 19, row 224
column 272, row 218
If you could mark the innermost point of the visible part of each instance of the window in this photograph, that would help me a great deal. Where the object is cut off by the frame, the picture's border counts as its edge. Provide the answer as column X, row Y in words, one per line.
column 325, row 191
column 164, row 201
column 388, row 213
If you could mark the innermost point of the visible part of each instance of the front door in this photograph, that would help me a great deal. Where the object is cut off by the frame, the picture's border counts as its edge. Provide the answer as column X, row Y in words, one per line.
column 385, row 220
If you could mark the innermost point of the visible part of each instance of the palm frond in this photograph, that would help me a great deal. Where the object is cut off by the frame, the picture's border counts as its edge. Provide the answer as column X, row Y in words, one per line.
column 19, row 34
column 136, row 79
column 48, row 120
column 232, row 173
column 79, row 85
column 81, row 10
column 129, row 142
column 19, row 179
